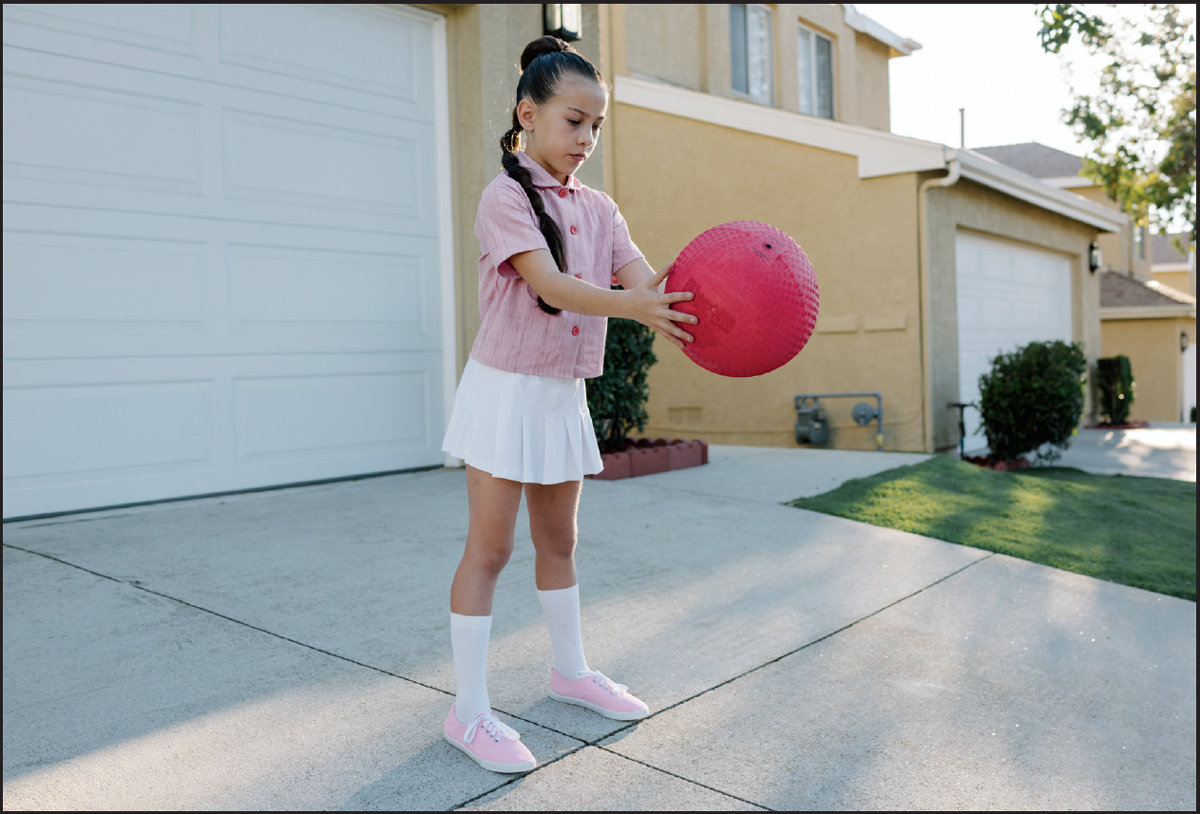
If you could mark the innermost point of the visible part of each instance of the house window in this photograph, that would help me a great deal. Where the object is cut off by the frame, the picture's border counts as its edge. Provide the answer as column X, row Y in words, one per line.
column 816, row 74
column 1139, row 242
column 750, row 51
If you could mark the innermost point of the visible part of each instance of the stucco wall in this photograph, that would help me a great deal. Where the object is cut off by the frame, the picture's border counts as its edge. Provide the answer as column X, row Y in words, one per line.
column 970, row 206
column 666, row 42
column 874, row 99
column 1152, row 346
column 860, row 236
column 1178, row 280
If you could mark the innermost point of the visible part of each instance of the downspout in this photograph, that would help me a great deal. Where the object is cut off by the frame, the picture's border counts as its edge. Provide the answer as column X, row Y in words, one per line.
column 947, row 180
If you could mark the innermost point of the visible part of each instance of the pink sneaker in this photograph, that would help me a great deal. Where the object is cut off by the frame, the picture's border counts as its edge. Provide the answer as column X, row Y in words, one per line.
column 489, row 742
column 598, row 693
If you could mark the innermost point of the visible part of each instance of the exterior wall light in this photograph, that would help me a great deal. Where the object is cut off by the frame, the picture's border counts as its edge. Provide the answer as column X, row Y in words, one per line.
column 1184, row 341
column 563, row 21
column 1095, row 257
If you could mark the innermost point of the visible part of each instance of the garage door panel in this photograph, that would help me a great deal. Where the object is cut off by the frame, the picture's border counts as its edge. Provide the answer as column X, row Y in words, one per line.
column 145, row 429
column 291, row 162
column 55, row 281
column 304, row 417
column 107, row 429
column 327, row 44
column 170, row 27
column 202, row 43
column 107, row 280
column 130, row 141
column 208, row 151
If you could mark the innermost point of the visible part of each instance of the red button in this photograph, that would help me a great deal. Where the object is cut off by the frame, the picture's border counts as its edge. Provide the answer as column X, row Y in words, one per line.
column 578, row 276
column 573, row 230
column 575, row 331
column 562, row 192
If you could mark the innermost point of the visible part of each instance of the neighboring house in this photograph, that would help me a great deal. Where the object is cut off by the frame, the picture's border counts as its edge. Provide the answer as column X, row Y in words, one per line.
column 1172, row 267
column 239, row 249
column 1147, row 292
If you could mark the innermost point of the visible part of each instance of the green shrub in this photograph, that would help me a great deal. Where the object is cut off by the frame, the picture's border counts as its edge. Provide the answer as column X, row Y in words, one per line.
column 1114, row 381
column 1032, row 399
column 617, row 399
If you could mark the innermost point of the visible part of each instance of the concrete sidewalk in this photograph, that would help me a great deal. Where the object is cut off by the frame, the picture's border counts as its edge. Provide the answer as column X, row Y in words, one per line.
column 290, row 649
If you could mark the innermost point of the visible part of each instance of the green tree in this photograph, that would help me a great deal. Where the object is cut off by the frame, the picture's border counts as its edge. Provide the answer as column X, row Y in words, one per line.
column 1142, row 119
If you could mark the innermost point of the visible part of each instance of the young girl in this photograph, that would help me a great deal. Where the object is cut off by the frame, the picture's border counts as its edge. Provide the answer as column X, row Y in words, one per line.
column 520, row 421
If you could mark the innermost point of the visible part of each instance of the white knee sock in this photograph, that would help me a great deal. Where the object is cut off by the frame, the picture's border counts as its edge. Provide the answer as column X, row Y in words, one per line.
column 562, row 616
column 469, row 641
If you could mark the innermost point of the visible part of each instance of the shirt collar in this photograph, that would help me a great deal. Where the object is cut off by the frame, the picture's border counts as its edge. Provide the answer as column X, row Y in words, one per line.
column 543, row 179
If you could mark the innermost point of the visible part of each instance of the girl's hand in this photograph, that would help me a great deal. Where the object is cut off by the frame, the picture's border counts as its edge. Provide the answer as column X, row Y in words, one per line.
column 652, row 308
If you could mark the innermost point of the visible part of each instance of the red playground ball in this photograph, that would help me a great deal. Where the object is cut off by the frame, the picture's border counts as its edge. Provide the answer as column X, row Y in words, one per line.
column 755, row 297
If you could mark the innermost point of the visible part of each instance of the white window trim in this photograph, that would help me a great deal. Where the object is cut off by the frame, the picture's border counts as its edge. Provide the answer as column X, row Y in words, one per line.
column 812, row 72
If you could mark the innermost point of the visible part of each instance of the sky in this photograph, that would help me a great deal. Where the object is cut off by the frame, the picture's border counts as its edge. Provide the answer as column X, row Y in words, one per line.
column 985, row 58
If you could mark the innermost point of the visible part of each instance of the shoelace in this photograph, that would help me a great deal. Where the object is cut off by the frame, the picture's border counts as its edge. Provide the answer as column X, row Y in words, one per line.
column 492, row 726
column 606, row 683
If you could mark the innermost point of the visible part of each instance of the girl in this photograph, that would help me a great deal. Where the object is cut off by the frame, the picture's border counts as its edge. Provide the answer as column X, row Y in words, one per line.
column 520, row 421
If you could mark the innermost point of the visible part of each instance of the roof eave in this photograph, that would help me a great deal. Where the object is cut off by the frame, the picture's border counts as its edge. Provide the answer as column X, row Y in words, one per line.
column 1148, row 312
column 993, row 174
column 899, row 46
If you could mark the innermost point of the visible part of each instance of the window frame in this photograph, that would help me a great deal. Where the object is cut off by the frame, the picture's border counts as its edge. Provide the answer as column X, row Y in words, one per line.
column 747, row 51
column 813, row 72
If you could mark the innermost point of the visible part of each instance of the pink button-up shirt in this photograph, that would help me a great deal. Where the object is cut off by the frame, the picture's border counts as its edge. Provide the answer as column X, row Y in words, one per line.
column 516, row 334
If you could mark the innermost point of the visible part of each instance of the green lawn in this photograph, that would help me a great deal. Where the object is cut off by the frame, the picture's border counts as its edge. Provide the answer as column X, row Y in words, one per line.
column 1135, row 531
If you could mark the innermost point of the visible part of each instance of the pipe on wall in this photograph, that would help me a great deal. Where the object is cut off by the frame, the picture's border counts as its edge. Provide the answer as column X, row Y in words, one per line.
column 954, row 172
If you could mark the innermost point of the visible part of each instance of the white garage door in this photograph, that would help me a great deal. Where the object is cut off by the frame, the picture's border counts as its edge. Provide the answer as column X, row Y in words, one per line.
column 1008, row 296
column 221, row 249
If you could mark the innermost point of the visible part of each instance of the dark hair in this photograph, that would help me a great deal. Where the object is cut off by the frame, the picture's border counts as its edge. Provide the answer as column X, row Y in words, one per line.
column 543, row 63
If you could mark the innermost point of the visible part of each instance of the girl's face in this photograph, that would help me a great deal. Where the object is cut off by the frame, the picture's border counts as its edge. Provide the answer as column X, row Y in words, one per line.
column 561, row 134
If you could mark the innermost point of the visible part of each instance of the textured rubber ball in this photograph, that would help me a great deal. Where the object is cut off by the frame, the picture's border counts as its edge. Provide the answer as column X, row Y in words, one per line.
column 756, row 298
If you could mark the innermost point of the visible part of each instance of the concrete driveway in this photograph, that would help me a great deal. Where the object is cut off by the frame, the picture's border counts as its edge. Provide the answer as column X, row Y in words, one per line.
column 290, row 649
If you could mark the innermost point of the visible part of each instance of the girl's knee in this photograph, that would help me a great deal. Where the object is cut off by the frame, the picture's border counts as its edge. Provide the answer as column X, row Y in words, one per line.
column 559, row 546
column 490, row 558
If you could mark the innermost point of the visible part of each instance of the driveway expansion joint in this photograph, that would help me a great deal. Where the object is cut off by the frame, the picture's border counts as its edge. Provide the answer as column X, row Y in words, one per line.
column 139, row 586
column 686, row 779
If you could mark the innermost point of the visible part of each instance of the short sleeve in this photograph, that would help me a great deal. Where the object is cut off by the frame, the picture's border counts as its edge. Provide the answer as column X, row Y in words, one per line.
column 625, row 251
column 506, row 225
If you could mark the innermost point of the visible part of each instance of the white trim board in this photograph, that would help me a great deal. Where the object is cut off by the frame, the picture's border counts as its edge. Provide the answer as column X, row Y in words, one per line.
column 878, row 152
column 1149, row 312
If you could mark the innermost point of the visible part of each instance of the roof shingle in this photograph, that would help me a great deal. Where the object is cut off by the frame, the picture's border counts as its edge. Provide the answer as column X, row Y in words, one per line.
column 1122, row 291
column 1164, row 251
column 1034, row 159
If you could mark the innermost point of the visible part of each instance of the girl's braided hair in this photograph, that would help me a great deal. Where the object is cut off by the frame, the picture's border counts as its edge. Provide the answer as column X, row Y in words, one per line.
column 543, row 63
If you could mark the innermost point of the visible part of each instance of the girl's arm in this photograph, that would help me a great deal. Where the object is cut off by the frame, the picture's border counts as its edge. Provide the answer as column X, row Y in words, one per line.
column 641, row 302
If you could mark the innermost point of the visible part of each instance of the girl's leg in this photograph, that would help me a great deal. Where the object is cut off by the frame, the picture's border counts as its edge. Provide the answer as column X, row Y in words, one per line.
column 552, row 524
column 493, row 504
column 552, row 510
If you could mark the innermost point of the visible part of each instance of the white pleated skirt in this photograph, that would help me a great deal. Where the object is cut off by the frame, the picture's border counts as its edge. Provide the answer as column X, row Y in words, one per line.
column 522, row 427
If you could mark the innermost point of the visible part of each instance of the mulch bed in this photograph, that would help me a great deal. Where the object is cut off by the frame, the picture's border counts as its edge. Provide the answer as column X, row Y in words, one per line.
column 1002, row 466
column 1131, row 425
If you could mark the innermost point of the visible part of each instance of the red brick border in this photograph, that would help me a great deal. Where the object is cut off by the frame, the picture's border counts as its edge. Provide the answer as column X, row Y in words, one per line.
column 645, row 456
